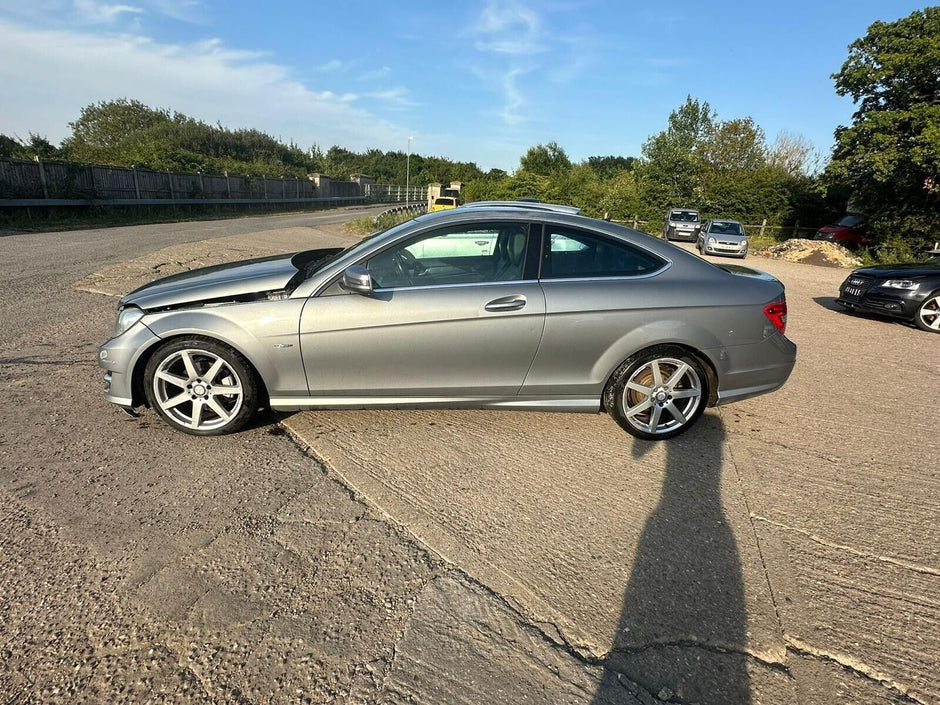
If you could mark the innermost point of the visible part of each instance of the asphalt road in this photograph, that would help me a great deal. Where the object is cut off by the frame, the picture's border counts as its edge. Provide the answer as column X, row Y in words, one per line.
column 783, row 551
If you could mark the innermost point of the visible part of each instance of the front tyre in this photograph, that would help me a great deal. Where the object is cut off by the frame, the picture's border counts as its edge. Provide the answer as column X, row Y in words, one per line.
column 200, row 386
column 658, row 393
column 928, row 314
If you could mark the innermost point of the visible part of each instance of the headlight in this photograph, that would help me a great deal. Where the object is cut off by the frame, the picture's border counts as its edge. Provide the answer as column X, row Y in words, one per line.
column 126, row 318
column 712, row 241
column 907, row 284
column 744, row 242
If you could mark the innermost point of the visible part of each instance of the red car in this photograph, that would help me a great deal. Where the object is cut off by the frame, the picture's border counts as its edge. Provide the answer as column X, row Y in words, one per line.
column 849, row 232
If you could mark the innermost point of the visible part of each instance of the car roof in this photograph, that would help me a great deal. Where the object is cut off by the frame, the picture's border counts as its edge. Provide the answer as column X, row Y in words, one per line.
column 524, row 205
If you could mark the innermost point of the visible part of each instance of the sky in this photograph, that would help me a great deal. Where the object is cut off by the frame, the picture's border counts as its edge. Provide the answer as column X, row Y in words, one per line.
column 469, row 81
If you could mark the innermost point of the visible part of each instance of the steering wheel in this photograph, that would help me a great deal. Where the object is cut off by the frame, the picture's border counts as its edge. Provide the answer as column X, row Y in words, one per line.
column 407, row 265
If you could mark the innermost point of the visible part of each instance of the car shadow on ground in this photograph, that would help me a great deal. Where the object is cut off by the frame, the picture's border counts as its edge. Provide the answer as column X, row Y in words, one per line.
column 683, row 627
column 829, row 302
column 269, row 420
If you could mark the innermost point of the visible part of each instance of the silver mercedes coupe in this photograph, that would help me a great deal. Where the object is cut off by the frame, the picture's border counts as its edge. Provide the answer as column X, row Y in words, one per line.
column 499, row 305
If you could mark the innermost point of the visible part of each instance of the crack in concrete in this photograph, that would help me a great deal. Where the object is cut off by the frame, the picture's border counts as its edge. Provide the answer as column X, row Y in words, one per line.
column 915, row 567
column 760, row 551
column 860, row 668
column 389, row 663
column 764, row 658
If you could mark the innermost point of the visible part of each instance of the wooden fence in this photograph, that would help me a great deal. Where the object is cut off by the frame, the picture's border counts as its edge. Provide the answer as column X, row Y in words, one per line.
column 40, row 182
column 778, row 232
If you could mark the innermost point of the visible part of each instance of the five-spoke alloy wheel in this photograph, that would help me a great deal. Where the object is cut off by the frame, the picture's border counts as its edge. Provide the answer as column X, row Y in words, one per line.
column 658, row 393
column 201, row 386
column 928, row 314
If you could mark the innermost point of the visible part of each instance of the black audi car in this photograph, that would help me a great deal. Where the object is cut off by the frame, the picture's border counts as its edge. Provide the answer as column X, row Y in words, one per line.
column 907, row 291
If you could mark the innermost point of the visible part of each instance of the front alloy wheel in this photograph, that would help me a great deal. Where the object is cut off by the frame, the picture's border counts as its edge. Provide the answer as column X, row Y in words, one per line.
column 928, row 315
column 658, row 394
column 201, row 387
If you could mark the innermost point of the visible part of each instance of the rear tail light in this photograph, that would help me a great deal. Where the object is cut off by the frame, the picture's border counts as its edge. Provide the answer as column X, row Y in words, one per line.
column 777, row 313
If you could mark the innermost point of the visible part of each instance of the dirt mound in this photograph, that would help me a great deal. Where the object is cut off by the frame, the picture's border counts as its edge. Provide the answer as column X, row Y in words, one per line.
column 825, row 254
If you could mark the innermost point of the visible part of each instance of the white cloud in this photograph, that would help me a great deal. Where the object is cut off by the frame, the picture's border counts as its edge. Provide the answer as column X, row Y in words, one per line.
column 80, row 13
column 510, row 36
column 94, row 12
column 512, row 110
column 509, row 28
column 183, row 10
column 49, row 75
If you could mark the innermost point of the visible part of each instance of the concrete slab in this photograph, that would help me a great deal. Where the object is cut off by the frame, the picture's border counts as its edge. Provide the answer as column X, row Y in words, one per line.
column 615, row 547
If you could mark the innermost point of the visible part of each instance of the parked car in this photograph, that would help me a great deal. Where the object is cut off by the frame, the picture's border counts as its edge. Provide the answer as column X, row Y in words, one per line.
column 682, row 224
column 722, row 237
column 554, row 311
column 849, row 232
column 443, row 203
column 910, row 292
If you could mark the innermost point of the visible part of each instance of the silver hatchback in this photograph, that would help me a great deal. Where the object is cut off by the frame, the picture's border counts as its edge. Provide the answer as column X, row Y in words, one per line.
column 722, row 237
column 497, row 306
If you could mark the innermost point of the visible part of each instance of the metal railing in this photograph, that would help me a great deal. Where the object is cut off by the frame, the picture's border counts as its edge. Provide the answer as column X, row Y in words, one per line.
column 408, row 208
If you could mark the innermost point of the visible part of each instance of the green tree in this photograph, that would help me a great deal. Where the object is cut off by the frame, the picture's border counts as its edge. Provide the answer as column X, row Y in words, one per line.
column 611, row 166
column 38, row 146
column 621, row 198
column 671, row 170
column 545, row 160
column 104, row 129
column 733, row 145
column 890, row 155
column 8, row 146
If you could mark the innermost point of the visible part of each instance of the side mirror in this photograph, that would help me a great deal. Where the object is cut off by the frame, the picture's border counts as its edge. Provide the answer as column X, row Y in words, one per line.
column 357, row 279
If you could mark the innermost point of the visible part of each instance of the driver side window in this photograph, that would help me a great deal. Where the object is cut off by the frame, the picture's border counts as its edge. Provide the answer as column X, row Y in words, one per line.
column 464, row 254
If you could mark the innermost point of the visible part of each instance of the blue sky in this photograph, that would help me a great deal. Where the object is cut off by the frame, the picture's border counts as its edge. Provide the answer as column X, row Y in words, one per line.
column 470, row 81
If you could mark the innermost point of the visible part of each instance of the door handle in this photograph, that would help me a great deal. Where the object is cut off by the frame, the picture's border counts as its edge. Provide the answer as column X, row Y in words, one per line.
column 506, row 303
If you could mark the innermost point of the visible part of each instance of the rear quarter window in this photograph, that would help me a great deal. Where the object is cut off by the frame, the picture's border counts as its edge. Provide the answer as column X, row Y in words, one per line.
column 574, row 254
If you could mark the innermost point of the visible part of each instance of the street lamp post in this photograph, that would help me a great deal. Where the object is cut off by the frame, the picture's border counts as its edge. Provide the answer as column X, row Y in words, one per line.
column 408, row 171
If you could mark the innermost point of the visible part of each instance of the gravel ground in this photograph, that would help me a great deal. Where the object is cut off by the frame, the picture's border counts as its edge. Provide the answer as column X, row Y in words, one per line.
column 783, row 551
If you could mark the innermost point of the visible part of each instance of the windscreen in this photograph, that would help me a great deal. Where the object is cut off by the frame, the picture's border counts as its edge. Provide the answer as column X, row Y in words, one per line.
column 727, row 228
column 849, row 221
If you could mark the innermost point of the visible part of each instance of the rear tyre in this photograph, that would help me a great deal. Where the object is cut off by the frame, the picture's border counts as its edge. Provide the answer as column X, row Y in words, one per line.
column 201, row 387
column 658, row 393
column 928, row 314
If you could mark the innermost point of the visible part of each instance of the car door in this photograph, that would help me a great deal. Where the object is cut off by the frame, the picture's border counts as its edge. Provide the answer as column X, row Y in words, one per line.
column 456, row 312
column 703, row 233
column 597, row 289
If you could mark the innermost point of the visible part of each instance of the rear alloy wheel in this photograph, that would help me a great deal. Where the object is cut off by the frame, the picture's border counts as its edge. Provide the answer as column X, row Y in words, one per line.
column 658, row 393
column 201, row 387
column 928, row 315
